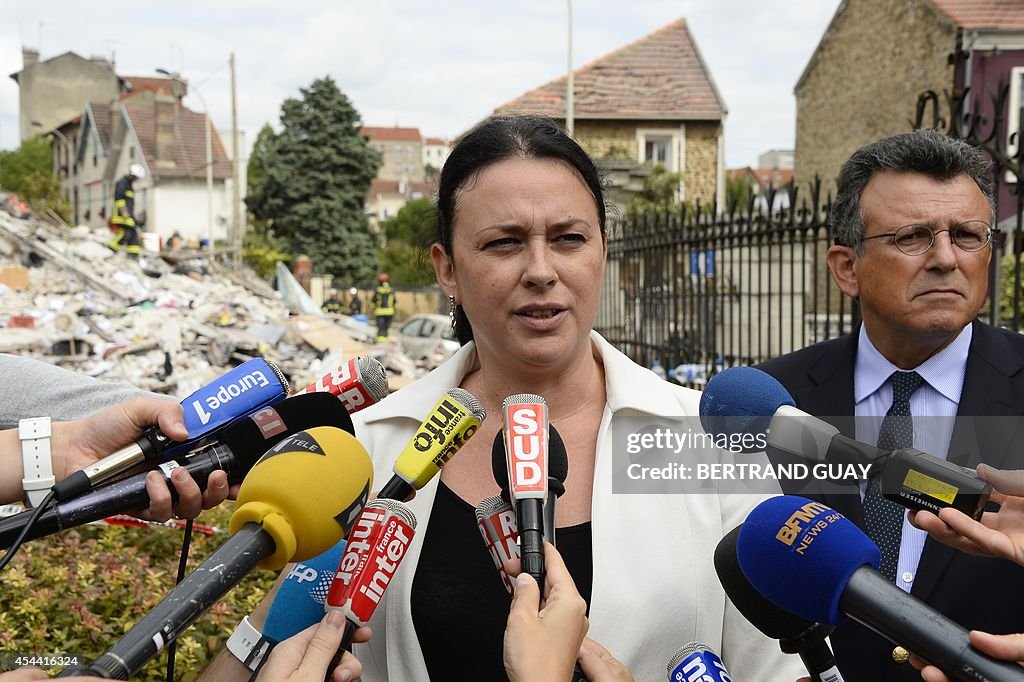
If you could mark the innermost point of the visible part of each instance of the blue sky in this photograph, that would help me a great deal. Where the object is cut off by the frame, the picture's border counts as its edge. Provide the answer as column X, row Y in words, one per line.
column 439, row 66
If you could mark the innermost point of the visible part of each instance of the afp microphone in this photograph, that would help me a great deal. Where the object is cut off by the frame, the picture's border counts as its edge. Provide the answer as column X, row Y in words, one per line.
column 239, row 448
column 745, row 401
column 358, row 383
column 298, row 500
column 250, row 387
column 452, row 421
column 812, row 561
column 697, row 663
column 795, row 635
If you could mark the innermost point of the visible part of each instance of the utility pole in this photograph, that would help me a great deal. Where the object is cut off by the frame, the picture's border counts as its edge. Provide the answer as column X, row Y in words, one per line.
column 568, row 85
column 236, row 198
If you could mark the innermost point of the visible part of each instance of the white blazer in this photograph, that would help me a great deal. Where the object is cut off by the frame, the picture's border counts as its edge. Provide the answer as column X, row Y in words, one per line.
column 654, row 586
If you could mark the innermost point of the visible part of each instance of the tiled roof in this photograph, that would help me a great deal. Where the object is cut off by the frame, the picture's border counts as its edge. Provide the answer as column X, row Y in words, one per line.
column 427, row 189
column 437, row 141
column 395, row 134
column 777, row 177
column 1000, row 15
column 154, row 83
column 189, row 150
column 102, row 120
column 659, row 76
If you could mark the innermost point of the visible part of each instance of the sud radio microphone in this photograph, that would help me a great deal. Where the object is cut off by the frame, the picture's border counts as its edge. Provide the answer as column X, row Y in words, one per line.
column 238, row 450
column 558, row 471
column 814, row 562
column 452, row 421
column 496, row 522
column 697, row 663
column 358, row 383
column 300, row 499
column 250, row 387
column 795, row 635
column 376, row 546
column 746, row 400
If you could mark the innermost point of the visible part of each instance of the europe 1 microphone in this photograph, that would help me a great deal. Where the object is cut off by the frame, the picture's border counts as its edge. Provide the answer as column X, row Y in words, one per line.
column 250, row 387
column 239, row 448
column 746, row 400
column 795, row 634
column 298, row 500
column 815, row 563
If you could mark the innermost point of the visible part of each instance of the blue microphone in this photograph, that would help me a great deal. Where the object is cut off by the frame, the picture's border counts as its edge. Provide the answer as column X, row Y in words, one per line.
column 741, row 400
column 812, row 561
column 246, row 389
column 697, row 663
column 300, row 600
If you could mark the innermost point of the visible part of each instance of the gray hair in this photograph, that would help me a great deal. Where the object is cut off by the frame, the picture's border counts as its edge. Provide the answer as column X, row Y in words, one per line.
column 928, row 152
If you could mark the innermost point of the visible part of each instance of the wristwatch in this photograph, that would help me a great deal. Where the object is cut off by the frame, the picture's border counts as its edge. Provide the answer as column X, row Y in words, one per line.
column 37, row 480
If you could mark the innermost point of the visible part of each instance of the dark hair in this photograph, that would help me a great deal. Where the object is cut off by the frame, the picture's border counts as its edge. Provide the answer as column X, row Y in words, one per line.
column 496, row 139
column 928, row 152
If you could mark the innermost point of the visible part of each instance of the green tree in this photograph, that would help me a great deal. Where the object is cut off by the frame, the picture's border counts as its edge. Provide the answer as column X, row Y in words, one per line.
column 316, row 173
column 407, row 237
column 738, row 190
column 28, row 171
column 660, row 193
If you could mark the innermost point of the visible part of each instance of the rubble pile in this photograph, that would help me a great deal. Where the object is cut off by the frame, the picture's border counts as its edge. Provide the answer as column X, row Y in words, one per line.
column 168, row 323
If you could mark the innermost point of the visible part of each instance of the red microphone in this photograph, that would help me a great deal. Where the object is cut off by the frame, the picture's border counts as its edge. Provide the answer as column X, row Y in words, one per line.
column 525, row 421
column 377, row 543
column 358, row 383
column 497, row 524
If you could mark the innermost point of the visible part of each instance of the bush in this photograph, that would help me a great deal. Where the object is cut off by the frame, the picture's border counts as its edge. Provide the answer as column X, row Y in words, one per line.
column 80, row 590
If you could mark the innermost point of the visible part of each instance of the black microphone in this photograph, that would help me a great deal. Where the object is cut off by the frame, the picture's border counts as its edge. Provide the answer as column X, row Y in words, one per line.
column 241, row 445
column 300, row 499
column 795, row 634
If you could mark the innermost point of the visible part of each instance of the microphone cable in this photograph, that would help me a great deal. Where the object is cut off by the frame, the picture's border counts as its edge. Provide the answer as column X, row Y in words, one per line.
column 186, row 544
column 16, row 545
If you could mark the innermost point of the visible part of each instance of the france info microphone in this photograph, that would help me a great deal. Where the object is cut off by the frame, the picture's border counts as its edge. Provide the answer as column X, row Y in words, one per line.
column 795, row 635
column 812, row 561
column 298, row 500
column 496, row 522
column 376, row 546
column 239, row 448
column 525, row 426
column 452, row 421
column 697, row 663
column 251, row 386
column 746, row 400
column 358, row 383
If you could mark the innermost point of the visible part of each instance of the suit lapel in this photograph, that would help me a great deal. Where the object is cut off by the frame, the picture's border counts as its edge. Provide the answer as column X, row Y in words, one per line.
column 989, row 398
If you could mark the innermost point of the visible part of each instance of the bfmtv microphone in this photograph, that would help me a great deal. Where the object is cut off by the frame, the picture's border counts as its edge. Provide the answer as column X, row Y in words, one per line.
column 812, row 561
column 697, row 663
column 795, row 634
column 496, row 521
column 358, row 383
column 299, row 500
column 525, row 422
column 251, row 386
column 240, row 446
column 452, row 421
column 379, row 541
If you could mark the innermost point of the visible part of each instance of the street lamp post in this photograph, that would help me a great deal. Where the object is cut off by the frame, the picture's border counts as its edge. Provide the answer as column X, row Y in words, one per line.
column 568, row 85
column 209, row 154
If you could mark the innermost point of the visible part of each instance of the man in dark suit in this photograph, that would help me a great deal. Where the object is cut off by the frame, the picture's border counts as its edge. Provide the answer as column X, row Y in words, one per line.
column 912, row 226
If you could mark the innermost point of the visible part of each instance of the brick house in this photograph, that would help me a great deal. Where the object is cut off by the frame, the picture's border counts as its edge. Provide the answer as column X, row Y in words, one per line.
column 877, row 56
column 652, row 101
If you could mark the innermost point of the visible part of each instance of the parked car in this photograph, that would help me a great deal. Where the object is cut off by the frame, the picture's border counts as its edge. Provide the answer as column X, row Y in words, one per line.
column 428, row 337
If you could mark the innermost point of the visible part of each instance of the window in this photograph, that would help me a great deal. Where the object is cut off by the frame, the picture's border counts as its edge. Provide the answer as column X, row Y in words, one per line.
column 411, row 328
column 666, row 146
column 658, row 150
column 428, row 328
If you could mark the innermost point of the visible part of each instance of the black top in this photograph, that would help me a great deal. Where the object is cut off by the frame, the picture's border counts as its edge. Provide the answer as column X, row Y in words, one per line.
column 459, row 606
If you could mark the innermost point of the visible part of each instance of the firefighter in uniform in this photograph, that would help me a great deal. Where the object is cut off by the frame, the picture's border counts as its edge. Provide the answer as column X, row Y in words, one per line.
column 355, row 306
column 383, row 306
column 333, row 304
column 126, row 231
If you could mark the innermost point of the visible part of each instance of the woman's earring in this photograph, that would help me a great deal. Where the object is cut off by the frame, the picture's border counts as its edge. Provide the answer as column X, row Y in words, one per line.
column 451, row 311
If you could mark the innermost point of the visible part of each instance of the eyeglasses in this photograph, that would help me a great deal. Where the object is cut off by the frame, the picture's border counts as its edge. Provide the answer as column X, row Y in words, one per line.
column 914, row 240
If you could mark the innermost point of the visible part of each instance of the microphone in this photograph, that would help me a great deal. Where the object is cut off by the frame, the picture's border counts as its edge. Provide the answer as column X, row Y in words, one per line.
column 525, row 428
column 298, row 500
column 746, row 400
column 300, row 600
column 496, row 522
column 251, row 386
column 379, row 541
column 697, row 663
column 558, row 471
column 451, row 422
column 240, row 444
column 795, row 635
column 815, row 563
column 358, row 383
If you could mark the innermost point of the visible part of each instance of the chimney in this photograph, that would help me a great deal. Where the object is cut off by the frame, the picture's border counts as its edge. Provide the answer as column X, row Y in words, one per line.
column 165, row 109
column 29, row 56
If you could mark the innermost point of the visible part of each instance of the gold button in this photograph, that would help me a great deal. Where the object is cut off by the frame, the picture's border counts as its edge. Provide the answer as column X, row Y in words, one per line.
column 900, row 655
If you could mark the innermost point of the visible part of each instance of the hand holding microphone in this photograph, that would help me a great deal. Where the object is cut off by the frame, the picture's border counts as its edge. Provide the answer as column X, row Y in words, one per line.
column 306, row 656
column 1003, row 647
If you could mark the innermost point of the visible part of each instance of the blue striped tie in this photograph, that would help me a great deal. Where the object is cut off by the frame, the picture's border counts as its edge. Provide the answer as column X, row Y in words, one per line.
column 882, row 518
